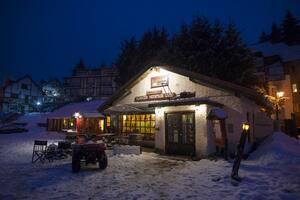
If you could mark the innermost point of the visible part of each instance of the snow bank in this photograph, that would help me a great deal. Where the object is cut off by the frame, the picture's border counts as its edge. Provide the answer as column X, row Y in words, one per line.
column 126, row 149
column 32, row 119
column 272, row 173
column 277, row 149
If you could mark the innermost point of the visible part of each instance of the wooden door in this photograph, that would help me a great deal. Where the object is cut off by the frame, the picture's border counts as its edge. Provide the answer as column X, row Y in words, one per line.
column 180, row 133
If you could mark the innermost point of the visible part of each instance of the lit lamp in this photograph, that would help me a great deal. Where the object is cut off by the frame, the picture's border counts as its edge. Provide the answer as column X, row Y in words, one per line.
column 280, row 94
column 245, row 126
column 77, row 116
column 239, row 152
column 38, row 104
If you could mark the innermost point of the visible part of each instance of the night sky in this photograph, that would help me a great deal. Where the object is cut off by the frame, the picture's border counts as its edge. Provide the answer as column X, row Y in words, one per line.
column 46, row 38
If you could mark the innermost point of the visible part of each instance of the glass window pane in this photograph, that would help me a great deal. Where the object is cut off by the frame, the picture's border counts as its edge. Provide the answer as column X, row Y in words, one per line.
column 153, row 117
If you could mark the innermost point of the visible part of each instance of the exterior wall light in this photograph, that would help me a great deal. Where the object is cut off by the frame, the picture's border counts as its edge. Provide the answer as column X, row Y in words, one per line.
column 77, row 115
column 159, row 111
column 245, row 126
column 200, row 108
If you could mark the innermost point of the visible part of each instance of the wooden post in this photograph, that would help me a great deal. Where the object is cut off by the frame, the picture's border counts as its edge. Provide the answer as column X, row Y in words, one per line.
column 239, row 155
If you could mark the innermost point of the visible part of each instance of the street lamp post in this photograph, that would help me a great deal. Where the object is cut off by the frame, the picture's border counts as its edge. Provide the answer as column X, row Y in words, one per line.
column 239, row 152
column 279, row 95
column 38, row 104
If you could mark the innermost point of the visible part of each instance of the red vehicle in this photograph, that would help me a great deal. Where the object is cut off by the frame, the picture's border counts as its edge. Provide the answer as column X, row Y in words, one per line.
column 89, row 153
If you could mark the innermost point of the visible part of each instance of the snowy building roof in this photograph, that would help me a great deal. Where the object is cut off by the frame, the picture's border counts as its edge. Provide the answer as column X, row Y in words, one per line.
column 286, row 53
column 86, row 109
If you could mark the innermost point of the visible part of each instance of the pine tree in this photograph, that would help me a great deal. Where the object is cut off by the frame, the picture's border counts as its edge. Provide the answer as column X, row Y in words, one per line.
column 125, row 62
column 263, row 37
column 291, row 29
column 181, row 46
column 103, row 64
column 79, row 66
column 217, row 48
column 237, row 59
column 203, row 47
column 275, row 36
column 201, row 33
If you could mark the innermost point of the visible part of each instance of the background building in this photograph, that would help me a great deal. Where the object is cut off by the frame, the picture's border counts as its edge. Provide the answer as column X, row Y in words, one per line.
column 94, row 83
column 20, row 96
column 278, row 66
column 54, row 95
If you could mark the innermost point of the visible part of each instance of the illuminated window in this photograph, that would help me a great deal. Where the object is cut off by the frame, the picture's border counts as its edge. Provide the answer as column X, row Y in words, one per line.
column 71, row 123
column 294, row 88
column 108, row 121
column 141, row 123
column 101, row 124
column 65, row 123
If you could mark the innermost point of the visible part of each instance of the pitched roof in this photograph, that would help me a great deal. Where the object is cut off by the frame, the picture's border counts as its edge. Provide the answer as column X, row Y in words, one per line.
column 86, row 108
column 193, row 76
column 21, row 78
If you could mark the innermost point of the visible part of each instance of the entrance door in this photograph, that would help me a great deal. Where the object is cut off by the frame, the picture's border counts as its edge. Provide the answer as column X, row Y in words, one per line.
column 180, row 133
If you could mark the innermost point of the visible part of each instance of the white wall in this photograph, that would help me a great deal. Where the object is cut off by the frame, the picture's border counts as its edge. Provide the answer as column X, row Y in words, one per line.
column 236, row 107
column 203, row 138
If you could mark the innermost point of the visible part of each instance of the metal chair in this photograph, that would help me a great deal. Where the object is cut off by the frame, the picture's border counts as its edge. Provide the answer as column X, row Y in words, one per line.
column 39, row 151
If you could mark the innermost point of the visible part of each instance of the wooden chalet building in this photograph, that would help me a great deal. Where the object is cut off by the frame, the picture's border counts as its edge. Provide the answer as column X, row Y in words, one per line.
column 81, row 117
column 183, row 112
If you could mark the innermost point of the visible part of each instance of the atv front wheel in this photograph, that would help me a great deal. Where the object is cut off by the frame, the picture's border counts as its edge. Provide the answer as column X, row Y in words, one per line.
column 102, row 161
column 75, row 163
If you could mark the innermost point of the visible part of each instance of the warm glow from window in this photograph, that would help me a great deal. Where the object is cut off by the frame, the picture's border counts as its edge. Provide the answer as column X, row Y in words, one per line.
column 108, row 121
column 294, row 88
column 101, row 124
column 138, row 123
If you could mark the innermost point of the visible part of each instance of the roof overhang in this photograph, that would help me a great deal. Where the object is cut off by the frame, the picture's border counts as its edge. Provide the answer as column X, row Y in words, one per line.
column 130, row 108
column 186, row 101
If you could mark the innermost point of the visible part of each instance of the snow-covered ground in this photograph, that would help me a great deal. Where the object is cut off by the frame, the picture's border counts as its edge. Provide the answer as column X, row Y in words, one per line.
column 272, row 172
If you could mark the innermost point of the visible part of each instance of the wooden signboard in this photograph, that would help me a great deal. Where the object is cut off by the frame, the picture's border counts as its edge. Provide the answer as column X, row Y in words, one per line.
column 159, row 81
column 153, row 97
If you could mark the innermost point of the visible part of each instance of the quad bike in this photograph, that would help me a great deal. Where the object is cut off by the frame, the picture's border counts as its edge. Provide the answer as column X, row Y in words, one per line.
column 89, row 153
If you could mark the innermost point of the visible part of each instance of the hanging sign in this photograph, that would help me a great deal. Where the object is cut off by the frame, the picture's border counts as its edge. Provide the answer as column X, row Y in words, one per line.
column 152, row 97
